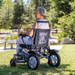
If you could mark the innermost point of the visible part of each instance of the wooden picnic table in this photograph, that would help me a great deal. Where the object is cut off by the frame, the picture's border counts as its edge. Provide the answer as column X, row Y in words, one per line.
column 11, row 41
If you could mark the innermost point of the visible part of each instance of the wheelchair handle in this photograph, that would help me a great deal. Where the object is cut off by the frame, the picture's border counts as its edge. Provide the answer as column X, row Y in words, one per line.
column 43, row 21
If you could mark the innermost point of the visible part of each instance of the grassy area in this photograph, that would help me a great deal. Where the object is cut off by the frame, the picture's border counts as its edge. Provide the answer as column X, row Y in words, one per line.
column 5, row 30
column 67, row 66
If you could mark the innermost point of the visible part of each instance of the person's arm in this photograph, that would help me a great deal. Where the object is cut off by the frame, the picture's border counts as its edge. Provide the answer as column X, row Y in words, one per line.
column 30, row 33
column 23, row 32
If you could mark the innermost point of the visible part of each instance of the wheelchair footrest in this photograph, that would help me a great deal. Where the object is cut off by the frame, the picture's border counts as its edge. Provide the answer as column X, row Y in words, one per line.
column 21, row 61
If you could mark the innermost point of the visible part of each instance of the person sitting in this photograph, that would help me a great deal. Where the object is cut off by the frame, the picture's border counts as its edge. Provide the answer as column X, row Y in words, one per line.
column 39, row 15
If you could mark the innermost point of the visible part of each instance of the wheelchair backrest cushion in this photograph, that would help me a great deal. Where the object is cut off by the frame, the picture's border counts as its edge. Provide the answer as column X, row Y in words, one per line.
column 41, row 37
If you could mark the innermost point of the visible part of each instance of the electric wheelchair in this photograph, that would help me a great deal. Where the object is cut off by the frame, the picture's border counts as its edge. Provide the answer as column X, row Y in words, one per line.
column 39, row 49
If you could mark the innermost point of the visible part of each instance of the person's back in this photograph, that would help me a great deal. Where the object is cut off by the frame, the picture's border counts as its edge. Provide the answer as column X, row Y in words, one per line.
column 42, row 25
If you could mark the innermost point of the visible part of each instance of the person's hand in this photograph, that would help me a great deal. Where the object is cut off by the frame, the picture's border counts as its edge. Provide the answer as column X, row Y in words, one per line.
column 21, row 32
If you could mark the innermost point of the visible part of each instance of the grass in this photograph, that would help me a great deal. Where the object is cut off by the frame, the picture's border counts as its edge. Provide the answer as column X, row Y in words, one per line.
column 5, row 30
column 67, row 66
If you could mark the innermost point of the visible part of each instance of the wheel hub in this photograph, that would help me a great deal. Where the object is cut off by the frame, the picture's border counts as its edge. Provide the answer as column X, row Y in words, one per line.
column 53, row 60
column 32, row 62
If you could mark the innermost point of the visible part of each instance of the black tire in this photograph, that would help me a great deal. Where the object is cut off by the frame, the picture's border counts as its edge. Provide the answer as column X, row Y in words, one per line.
column 12, row 62
column 50, row 60
column 36, row 61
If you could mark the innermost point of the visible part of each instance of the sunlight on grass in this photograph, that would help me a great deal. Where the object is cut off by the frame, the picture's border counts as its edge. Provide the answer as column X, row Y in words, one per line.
column 67, row 66
column 6, row 30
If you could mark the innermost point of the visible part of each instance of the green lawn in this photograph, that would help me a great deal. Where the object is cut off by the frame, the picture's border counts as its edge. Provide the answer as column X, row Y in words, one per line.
column 5, row 30
column 67, row 66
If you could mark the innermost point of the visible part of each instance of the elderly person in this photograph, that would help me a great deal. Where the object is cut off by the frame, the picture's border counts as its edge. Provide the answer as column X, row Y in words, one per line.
column 39, row 15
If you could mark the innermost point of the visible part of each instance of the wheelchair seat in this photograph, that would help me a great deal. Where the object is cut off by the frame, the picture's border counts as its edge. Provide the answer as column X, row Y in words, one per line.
column 24, row 46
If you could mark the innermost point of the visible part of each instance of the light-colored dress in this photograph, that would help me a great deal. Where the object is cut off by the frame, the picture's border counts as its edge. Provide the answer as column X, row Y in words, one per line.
column 27, row 39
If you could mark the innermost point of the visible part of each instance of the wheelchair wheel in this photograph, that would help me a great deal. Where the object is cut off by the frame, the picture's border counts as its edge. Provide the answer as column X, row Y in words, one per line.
column 54, row 60
column 33, row 62
column 12, row 62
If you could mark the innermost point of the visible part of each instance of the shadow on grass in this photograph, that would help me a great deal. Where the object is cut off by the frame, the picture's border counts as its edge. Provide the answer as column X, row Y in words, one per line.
column 43, row 69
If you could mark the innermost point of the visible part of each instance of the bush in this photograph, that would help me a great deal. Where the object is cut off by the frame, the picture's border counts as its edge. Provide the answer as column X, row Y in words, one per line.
column 8, row 38
column 67, row 25
column 60, row 36
column 14, row 36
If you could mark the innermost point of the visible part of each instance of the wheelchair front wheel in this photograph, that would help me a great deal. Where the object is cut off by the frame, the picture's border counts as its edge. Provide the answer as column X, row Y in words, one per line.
column 12, row 62
column 33, row 62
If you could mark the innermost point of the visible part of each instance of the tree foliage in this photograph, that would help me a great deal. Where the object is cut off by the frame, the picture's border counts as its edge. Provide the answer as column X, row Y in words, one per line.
column 6, row 14
column 67, row 25
column 18, row 11
column 67, row 22
column 60, row 12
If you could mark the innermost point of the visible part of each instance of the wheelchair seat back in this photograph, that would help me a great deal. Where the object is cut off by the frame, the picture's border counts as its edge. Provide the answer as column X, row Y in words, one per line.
column 41, row 37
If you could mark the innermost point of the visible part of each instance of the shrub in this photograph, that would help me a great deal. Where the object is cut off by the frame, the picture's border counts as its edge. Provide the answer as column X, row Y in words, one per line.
column 67, row 25
column 8, row 38
column 14, row 36
column 60, row 36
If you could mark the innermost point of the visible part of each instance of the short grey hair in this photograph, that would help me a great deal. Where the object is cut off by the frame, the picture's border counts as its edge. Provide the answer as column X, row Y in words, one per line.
column 42, row 10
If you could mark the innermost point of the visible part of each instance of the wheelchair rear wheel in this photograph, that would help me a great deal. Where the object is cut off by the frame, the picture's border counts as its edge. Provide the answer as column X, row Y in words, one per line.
column 33, row 62
column 54, row 60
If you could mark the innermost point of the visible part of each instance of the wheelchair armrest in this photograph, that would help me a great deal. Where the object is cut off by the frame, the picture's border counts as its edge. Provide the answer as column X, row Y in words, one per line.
column 23, row 35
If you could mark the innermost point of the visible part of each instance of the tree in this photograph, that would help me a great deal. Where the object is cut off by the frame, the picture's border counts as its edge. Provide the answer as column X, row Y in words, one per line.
column 18, row 11
column 6, row 14
column 67, row 25
column 67, row 22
